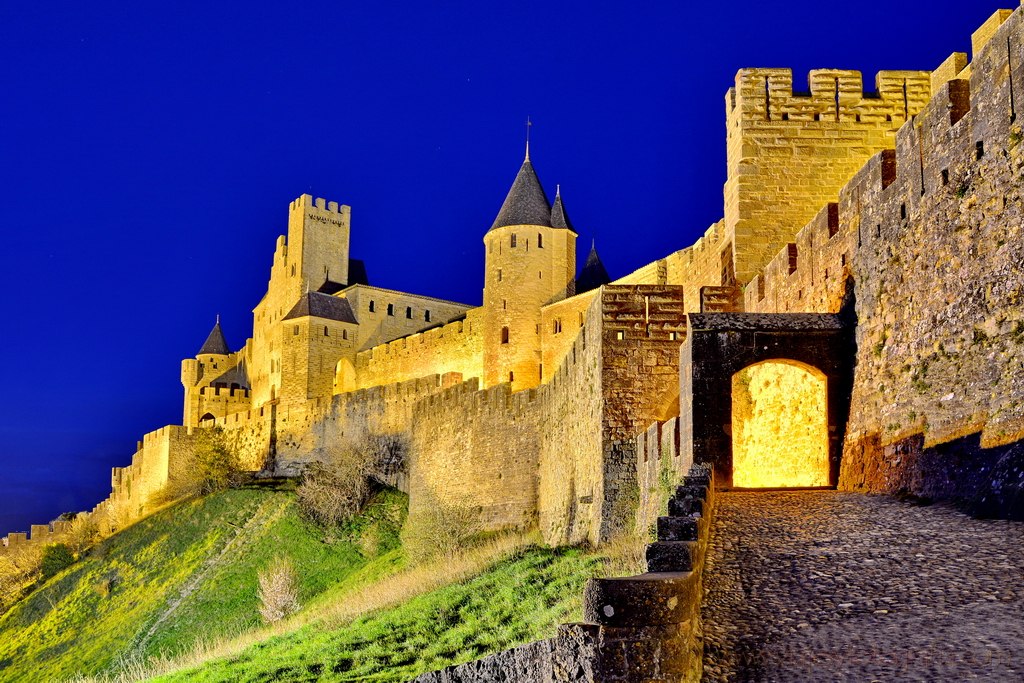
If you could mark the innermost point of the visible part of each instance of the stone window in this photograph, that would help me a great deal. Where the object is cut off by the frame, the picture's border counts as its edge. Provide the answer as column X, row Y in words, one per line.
column 513, row 241
column 979, row 149
column 408, row 312
column 504, row 335
column 620, row 335
column 372, row 306
column 557, row 327
column 945, row 176
column 671, row 336
column 344, row 334
column 293, row 270
column 511, row 376
column 391, row 309
column 295, row 331
column 499, row 274
column 581, row 318
column 327, row 332
column 426, row 316
column 540, row 241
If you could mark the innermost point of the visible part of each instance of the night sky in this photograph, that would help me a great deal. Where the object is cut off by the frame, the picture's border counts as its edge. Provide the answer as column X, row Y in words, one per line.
column 148, row 155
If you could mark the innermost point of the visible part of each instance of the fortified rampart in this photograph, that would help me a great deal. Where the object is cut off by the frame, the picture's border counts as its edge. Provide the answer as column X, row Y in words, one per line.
column 925, row 245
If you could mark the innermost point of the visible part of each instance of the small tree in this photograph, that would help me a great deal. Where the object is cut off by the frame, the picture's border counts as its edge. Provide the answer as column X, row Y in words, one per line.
column 278, row 591
column 440, row 530
column 56, row 557
column 207, row 467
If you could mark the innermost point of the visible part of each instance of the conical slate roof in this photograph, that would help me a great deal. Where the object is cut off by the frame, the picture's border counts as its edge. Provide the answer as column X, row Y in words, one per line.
column 526, row 203
column 215, row 343
column 559, row 218
column 593, row 274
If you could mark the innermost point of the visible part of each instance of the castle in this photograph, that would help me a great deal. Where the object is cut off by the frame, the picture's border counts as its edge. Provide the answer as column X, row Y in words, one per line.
column 865, row 280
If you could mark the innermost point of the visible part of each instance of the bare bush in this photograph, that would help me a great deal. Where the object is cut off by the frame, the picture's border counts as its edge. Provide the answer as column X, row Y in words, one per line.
column 440, row 530
column 207, row 467
column 82, row 532
column 335, row 490
column 278, row 591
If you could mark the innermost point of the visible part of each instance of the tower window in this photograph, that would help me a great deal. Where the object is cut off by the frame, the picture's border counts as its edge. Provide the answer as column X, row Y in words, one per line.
column 326, row 331
column 513, row 240
column 620, row 335
column 499, row 274
column 295, row 330
column 426, row 316
column 408, row 312
column 371, row 306
column 540, row 241
column 979, row 149
column 344, row 334
column 504, row 304
column 557, row 327
column 391, row 309
column 504, row 335
column 511, row 376
column 293, row 270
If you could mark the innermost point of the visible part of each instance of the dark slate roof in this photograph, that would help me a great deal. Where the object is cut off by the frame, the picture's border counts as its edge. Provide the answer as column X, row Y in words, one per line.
column 319, row 305
column 785, row 322
column 593, row 273
column 526, row 203
column 215, row 343
column 236, row 375
column 357, row 272
column 330, row 287
column 559, row 218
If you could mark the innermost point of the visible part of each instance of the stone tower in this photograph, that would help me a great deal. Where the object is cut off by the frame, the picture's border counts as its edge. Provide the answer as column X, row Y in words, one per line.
column 215, row 381
column 530, row 261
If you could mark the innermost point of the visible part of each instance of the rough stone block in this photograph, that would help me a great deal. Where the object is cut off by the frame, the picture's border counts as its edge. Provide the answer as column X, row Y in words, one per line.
column 678, row 528
column 647, row 599
column 671, row 556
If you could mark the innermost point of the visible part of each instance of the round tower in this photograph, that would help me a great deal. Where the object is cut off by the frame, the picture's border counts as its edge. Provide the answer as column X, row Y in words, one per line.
column 530, row 261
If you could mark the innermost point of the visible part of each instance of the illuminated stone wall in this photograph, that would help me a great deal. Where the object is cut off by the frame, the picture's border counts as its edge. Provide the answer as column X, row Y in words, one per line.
column 779, row 427
column 925, row 244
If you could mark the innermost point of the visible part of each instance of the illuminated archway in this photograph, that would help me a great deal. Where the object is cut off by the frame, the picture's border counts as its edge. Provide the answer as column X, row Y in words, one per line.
column 780, row 432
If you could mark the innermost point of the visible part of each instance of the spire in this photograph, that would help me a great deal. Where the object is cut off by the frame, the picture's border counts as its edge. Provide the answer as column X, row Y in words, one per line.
column 528, row 124
column 593, row 273
column 215, row 342
column 559, row 218
column 526, row 203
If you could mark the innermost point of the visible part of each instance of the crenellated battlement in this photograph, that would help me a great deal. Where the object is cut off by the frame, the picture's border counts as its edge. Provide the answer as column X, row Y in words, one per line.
column 306, row 201
column 834, row 95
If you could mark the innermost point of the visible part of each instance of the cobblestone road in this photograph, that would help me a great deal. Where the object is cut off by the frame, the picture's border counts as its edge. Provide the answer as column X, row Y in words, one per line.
column 834, row 586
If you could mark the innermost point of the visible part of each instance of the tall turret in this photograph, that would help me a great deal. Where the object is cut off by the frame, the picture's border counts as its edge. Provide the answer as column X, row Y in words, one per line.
column 215, row 381
column 530, row 261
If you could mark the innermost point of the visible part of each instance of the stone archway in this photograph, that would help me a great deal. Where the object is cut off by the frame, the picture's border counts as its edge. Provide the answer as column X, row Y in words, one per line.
column 780, row 426
column 720, row 345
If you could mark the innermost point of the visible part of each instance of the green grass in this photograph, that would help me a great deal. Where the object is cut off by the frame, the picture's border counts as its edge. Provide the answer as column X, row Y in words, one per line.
column 515, row 601
column 114, row 602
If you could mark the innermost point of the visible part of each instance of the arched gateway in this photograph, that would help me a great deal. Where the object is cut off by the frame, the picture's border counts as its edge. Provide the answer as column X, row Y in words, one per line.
column 764, row 397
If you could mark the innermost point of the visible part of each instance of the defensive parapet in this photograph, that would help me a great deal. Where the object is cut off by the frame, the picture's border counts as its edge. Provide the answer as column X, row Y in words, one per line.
column 789, row 152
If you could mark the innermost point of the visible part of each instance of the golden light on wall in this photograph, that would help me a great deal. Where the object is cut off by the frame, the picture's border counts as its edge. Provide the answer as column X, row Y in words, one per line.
column 779, row 426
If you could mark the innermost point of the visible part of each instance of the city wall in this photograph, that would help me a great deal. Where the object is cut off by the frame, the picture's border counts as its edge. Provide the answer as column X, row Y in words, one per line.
column 924, row 245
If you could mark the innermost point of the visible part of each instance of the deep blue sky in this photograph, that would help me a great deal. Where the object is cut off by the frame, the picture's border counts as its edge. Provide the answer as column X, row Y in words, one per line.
column 148, row 153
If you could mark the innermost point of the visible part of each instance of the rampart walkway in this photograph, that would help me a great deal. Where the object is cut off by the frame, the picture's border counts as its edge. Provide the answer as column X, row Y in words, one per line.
column 832, row 586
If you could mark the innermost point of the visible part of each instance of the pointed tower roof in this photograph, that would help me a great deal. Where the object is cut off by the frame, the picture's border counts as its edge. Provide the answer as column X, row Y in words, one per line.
column 593, row 273
column 526, row 203
column 559, row 218
column 215, row 342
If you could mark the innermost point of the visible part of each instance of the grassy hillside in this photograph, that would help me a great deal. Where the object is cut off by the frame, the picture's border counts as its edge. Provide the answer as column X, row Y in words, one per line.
column 186, row 573
column 520, row 599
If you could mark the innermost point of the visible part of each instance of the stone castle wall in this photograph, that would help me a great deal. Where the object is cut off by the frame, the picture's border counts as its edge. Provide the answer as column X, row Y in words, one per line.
column 925, row 244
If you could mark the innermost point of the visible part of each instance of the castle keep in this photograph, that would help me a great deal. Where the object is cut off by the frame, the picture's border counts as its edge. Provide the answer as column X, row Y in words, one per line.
column 888, row 219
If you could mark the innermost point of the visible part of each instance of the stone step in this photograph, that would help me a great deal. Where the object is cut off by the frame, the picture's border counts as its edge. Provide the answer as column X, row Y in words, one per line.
column 678, row 528
column 652, row 599
column 671, row 556
column 684, row 507
column 690, row 491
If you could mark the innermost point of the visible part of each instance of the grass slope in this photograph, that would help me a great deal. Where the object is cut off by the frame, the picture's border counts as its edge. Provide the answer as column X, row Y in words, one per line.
column 515, row 601
column 185, row 573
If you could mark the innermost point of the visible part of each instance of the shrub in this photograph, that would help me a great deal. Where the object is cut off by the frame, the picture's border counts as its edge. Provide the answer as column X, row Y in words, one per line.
column 278, row 591
column 208, row 467
column 439, row 530
column 82, row 532
column 56, row 557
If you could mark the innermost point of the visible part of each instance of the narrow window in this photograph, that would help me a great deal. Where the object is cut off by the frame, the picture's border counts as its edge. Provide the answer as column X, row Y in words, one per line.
column 792, row 258
column 293, row 270
column 671, row 336
column 903, row 211
column 371, row 306
column 426, row 316
column 979, row 149
column 558, row 325
column 295, row 330
column 408, row 312
column 581, row 318
column 538, row 328
column 620, row 335
column 540, row 241
column 513, row 240
column 499, row 274
column 504, row 304
column 504, row 335
column 511, row 376
column 945, row 176
column 344, row 334
column 391, row 309
column 326, row 332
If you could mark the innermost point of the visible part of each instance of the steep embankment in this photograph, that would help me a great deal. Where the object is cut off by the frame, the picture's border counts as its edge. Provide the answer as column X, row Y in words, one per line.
column 184, row 574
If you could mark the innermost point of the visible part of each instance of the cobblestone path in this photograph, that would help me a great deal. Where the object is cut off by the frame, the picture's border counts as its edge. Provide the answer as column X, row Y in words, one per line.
column 834, row 586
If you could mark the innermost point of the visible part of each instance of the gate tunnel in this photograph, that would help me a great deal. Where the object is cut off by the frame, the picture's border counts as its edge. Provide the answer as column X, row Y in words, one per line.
column 764, row 398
